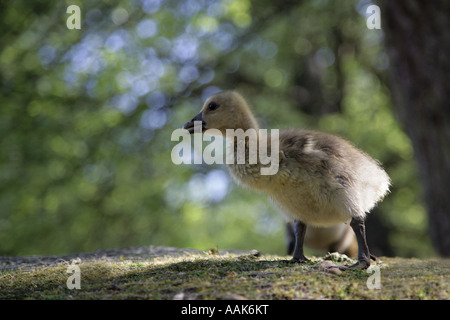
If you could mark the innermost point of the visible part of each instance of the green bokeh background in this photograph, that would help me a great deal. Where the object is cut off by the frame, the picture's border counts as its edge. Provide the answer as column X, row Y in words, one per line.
column 86, row 118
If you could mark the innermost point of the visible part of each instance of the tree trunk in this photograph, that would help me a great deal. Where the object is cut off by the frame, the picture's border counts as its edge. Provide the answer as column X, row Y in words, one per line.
column 417, row 39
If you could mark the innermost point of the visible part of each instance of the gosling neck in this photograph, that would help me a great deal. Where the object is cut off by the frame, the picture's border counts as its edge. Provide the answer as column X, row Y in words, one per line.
column 248, row 121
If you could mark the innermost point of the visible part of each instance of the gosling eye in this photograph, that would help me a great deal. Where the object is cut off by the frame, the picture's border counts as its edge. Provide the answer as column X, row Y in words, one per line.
column 212, row 106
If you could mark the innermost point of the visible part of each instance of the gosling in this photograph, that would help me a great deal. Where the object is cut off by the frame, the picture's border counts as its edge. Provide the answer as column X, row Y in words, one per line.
column 322, row 180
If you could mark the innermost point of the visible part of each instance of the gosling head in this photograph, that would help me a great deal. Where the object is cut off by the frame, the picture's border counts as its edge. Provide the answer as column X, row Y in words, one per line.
column 222, row 111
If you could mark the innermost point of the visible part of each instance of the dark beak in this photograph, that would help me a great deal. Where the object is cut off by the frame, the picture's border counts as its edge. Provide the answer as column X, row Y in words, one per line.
column 190, row 126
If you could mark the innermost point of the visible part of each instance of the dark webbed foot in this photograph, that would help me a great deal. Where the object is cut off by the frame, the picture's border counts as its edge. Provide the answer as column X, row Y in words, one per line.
column 299, row 260
column 359, row 265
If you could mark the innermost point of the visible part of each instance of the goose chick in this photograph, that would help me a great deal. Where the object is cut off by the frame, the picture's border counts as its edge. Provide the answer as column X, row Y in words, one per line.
column 322, row 179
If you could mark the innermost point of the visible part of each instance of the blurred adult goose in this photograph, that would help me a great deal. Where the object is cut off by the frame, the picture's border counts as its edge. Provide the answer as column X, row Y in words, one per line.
column 338, row 238
column 322, row 179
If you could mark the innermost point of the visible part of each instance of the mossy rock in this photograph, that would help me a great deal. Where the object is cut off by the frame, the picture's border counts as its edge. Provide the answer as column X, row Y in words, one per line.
column 165, row 273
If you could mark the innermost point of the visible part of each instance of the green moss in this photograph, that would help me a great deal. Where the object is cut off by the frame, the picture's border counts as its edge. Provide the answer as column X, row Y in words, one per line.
column 219, row 276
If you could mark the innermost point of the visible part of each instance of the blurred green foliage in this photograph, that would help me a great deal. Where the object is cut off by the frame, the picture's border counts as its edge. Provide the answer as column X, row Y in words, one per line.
column 86, row 118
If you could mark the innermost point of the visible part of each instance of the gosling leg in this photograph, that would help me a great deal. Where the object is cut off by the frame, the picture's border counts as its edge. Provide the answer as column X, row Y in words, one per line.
column 364, row 256
column 290, row 238
column 299, row 231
